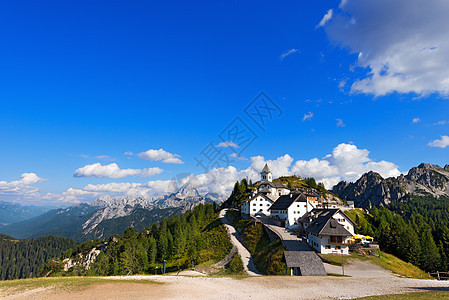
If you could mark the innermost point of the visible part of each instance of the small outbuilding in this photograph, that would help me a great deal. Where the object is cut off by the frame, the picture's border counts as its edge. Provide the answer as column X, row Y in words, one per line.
column 303, row 263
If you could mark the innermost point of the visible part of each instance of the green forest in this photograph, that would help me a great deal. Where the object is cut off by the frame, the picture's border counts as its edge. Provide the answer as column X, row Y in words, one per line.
column 25, row 258
column 416, row 231
column 182, row 241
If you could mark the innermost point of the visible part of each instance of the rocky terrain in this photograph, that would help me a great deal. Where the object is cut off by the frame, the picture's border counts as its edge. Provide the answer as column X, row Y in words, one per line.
column 374, row 190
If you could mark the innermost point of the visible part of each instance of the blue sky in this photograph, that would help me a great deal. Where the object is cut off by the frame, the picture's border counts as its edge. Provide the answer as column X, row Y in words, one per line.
column 81, row 83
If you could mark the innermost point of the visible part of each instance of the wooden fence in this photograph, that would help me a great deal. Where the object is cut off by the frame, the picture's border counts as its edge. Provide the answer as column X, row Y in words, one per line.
column 438, row 275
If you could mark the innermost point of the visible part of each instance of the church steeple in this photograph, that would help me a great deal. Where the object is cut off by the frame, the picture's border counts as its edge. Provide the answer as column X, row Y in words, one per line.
column 266, row 174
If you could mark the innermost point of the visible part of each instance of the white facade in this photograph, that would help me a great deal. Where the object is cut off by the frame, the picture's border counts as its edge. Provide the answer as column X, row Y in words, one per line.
column 324, row 245
column 345, row 221
column 268, row 188
column 294, row 212
column 258, row 205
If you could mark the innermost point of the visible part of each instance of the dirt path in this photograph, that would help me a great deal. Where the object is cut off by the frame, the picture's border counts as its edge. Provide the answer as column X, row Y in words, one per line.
column 260, row 287
column 248, row 263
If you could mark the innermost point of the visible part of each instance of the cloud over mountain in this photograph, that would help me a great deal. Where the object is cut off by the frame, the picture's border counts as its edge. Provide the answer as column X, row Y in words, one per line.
column 22, row 187
column 113, row 171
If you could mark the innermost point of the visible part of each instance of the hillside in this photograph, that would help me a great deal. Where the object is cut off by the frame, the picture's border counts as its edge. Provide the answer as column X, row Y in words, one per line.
column 183, row 241
column 24, row 258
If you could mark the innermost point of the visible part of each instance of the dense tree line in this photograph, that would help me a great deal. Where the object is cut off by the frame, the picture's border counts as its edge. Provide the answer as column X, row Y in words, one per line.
column 415, row 231
column 24, row 258
column 182, row 241
column 239, row 193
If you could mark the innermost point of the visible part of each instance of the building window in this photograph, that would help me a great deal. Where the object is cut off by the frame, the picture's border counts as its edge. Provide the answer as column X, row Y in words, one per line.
column 328, row 246
column 338, row 247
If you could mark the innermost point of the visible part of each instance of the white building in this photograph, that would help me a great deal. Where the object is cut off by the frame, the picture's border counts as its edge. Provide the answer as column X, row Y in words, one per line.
column 257, row 205
column 287, row 209
column 328, row 230
column 270, row 188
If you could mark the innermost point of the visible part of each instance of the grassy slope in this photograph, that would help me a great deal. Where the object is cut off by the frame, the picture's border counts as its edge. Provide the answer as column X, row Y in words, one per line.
column 267, row 255
column 386, row 261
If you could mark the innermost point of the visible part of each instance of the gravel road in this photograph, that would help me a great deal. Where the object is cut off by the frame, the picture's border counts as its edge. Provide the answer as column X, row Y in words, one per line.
column 258, row 287
column 247, row 260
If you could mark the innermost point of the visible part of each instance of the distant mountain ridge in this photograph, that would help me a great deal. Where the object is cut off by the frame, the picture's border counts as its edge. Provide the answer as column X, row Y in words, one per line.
column 109, row 215
column 374, row 190
column 14, row 212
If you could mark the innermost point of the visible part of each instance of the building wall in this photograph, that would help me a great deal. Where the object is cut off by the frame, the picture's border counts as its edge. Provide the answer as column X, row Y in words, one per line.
column 345, row 222
column 258, row 205
column 322, row 245
column 297, row 210
column 279, row 214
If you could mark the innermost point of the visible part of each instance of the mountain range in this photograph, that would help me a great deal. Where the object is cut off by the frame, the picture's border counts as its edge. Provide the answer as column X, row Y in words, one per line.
column 14, row 212
column 113, row 215
column 108, row 215
column 372, row 189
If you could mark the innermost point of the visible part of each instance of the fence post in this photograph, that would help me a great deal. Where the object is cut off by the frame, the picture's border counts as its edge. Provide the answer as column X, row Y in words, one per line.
column 438, row 274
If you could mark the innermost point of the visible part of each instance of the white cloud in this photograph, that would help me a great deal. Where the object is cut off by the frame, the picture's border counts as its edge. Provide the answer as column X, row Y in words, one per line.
column 128, row 153
column 308, row 116
column 442, row 122
column 71, row 196
column 113, row 171
column 346, row 162
column 227, row 145
column 340, row 123
column 288, row 52
column 403, row 44
column 279, row 167
column 161, row 155
column 21, row 188
column 236, row 155
column 326, row 18
column 441, row 143
column 416, row 120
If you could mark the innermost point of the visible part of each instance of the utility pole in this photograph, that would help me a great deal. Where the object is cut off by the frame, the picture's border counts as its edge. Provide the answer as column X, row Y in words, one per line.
column 342, row 265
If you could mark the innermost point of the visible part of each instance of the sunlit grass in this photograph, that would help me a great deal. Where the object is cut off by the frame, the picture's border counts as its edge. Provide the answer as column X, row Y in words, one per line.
column 386, row 261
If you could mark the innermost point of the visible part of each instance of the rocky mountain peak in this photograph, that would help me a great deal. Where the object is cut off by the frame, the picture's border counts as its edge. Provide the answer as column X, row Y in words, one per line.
column 187, row 191
column 371, row 188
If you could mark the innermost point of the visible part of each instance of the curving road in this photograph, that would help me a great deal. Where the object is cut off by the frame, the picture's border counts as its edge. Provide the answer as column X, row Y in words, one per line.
column 248, row 263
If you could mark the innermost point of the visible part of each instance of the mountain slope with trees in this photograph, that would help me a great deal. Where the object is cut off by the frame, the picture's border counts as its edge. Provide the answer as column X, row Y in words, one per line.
column 24, row 258
column 183, row 241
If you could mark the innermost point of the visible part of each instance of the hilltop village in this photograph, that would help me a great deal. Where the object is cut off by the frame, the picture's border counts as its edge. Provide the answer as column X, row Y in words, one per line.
column 324, row 225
